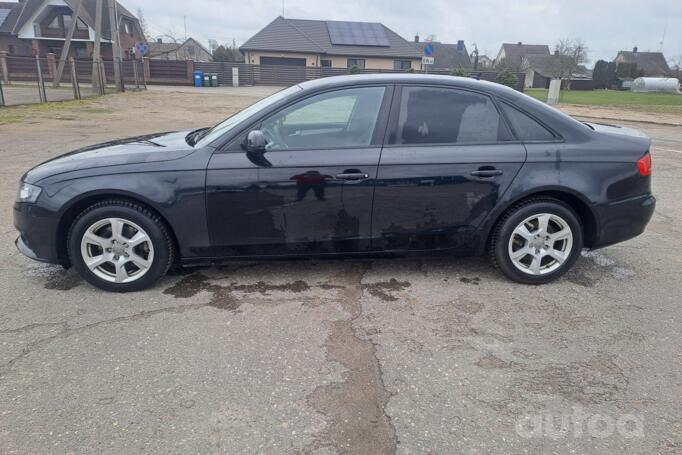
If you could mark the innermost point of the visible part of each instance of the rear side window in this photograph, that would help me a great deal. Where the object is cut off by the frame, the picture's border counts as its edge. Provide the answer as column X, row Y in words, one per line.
column 525, row 127
column 434, row 115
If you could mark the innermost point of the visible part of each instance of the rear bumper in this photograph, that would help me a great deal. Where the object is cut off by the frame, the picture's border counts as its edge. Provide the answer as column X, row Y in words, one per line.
column 37, row 232
column 623, row 220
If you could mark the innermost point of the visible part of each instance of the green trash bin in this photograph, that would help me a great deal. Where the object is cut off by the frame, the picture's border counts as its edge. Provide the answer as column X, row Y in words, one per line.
column 214, row 80
column 207, row 80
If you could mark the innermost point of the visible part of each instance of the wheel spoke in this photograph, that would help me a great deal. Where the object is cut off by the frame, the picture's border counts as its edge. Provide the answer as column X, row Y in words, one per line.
column 543, row 223
column 521, row 253
column 117, row 229
column 96, row 261
column 139, row 261
column 138, row 239
column 523, row 231
column 121, row 272
column 535, row 264
column 560, row 235
column 556, row 255
column 95, row 239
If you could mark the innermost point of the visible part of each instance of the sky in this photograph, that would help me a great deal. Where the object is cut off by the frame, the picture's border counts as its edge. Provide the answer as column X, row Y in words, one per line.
column 606, row 26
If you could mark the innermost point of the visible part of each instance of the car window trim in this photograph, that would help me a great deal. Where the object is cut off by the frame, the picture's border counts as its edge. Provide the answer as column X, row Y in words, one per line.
column 234, row 145
column 395, row 116
column 557, row 136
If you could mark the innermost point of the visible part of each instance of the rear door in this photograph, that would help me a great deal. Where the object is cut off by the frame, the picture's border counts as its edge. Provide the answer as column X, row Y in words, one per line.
column 448, row 160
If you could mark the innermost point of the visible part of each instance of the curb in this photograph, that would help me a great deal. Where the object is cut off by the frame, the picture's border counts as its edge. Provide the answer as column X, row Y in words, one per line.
column 613, row 119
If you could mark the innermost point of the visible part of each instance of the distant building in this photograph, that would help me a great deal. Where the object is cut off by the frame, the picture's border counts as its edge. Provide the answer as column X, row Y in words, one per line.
column 653, row 64
column 190, row 49
column 511, row 55
column 40, row 26
column 540, row 69
column 447, row 56
column 484, row 62
column 331, row 44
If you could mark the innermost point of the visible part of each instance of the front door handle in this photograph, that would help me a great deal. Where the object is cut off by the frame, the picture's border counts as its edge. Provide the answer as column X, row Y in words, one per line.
column 487, row 173
column 352, row 176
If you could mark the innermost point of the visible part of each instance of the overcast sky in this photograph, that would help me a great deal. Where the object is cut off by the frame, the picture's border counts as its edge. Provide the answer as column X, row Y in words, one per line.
column 605, row 25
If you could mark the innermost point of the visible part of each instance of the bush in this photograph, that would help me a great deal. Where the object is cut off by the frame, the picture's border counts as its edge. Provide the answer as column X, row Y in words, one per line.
column 458, row 72
column 354, row 69
column 506, row 77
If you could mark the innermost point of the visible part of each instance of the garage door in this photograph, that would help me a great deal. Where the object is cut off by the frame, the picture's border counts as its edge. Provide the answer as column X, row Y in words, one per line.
column 282, row 61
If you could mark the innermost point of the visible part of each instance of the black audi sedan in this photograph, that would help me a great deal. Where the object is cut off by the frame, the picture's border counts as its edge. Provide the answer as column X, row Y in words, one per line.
column 350, row 165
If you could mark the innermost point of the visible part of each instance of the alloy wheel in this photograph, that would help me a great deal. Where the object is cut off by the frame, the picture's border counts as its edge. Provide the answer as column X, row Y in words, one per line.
column 117, row 250
column 540, row 244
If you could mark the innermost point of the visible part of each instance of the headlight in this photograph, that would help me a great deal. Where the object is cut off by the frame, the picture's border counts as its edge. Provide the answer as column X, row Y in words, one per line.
column 28, row 193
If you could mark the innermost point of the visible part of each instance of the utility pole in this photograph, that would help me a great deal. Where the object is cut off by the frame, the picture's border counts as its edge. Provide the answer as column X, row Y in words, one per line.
column 67, row 45
column 115, row 48
column 96, row 53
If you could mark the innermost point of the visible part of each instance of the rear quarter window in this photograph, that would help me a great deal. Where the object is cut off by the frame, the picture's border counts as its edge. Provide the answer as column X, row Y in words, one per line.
column 526, row 128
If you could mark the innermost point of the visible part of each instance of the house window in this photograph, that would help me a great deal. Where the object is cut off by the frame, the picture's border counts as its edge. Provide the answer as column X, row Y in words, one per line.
column 326, row 63
column 54, row 23
column 402, row 64
column 67, row 21
column 190, row 50
column 358, row 62
column 128, row 28
column 81, row 52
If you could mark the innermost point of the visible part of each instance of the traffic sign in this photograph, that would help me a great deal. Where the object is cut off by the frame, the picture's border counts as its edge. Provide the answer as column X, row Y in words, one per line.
column 428, row 60
column 428, row 50
column 142, row 48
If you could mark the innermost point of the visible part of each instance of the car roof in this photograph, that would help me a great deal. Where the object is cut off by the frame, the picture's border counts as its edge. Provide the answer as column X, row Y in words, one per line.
column 406, row 78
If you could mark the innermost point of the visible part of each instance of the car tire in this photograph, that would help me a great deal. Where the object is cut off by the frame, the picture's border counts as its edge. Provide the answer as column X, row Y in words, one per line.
column 536, row 241
column 120, row 246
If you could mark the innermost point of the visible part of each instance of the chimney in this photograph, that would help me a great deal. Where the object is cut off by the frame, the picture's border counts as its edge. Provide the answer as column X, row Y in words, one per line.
column 416, row 38
column 460, row 45
column 634, row 49
column 519, row 43
column 159, row 40
column 556, row 52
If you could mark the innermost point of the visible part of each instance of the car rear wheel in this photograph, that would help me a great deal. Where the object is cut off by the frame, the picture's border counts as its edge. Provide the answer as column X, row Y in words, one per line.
column 537, row 241
column 120, row 246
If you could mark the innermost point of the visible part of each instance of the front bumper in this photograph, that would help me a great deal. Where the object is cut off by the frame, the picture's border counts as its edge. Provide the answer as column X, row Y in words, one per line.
column 623, row 220
column 37, row 232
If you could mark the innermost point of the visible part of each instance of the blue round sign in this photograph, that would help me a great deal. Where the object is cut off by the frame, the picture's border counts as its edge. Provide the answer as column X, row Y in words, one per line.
column 142, row 48
column 428, row 50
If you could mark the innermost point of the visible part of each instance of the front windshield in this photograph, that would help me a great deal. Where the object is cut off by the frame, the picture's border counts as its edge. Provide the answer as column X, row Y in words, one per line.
column 226, row 125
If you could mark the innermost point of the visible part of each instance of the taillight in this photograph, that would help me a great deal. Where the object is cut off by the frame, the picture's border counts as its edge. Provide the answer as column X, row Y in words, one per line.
column 644, row 165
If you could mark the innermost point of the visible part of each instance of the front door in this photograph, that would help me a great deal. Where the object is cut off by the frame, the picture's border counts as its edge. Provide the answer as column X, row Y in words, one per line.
column 448, row 160
column 311, row 191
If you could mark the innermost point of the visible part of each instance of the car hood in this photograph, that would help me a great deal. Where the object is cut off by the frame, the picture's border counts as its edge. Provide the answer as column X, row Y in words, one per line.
column 134, row 150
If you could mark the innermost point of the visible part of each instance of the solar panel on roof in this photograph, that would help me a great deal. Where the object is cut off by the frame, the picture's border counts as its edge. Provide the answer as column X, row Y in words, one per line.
column 357, row 34
column 3, row 15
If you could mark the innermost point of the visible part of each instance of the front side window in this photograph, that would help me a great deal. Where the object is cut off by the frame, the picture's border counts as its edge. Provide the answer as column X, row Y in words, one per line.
column 434, row 115
column 402, row 64
column 526, row 128
column 343, row 118
column 357, row 62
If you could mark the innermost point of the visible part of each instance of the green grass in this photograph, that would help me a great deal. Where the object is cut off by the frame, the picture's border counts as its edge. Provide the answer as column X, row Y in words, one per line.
column 654, row 102
column 15, row 114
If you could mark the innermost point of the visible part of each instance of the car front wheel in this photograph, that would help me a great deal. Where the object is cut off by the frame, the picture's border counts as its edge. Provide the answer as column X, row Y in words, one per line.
column 537, row 241
column 120, row 246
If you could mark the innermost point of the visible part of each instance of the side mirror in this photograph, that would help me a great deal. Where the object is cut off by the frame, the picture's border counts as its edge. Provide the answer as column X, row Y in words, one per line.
column 255, row 142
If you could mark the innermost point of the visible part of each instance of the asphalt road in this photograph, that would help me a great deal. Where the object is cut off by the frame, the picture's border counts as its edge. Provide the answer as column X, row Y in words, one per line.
column 432, row 355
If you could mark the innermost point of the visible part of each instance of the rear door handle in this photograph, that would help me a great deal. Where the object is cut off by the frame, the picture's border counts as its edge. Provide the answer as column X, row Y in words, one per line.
column 487, row 173
column 352, row 176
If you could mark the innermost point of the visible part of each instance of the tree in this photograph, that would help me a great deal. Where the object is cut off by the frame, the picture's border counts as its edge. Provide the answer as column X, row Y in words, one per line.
column 601, row 76
column 354, row 69
column 223, row 54
column 570, row 53
column 143, row 23
column 508, row 78
column 458, row 72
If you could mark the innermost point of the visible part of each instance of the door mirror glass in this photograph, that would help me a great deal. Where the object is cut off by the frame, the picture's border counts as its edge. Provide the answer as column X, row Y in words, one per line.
column 255, row 142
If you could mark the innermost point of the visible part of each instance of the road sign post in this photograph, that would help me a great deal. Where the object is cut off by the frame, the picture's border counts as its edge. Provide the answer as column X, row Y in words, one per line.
column 427, row 58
